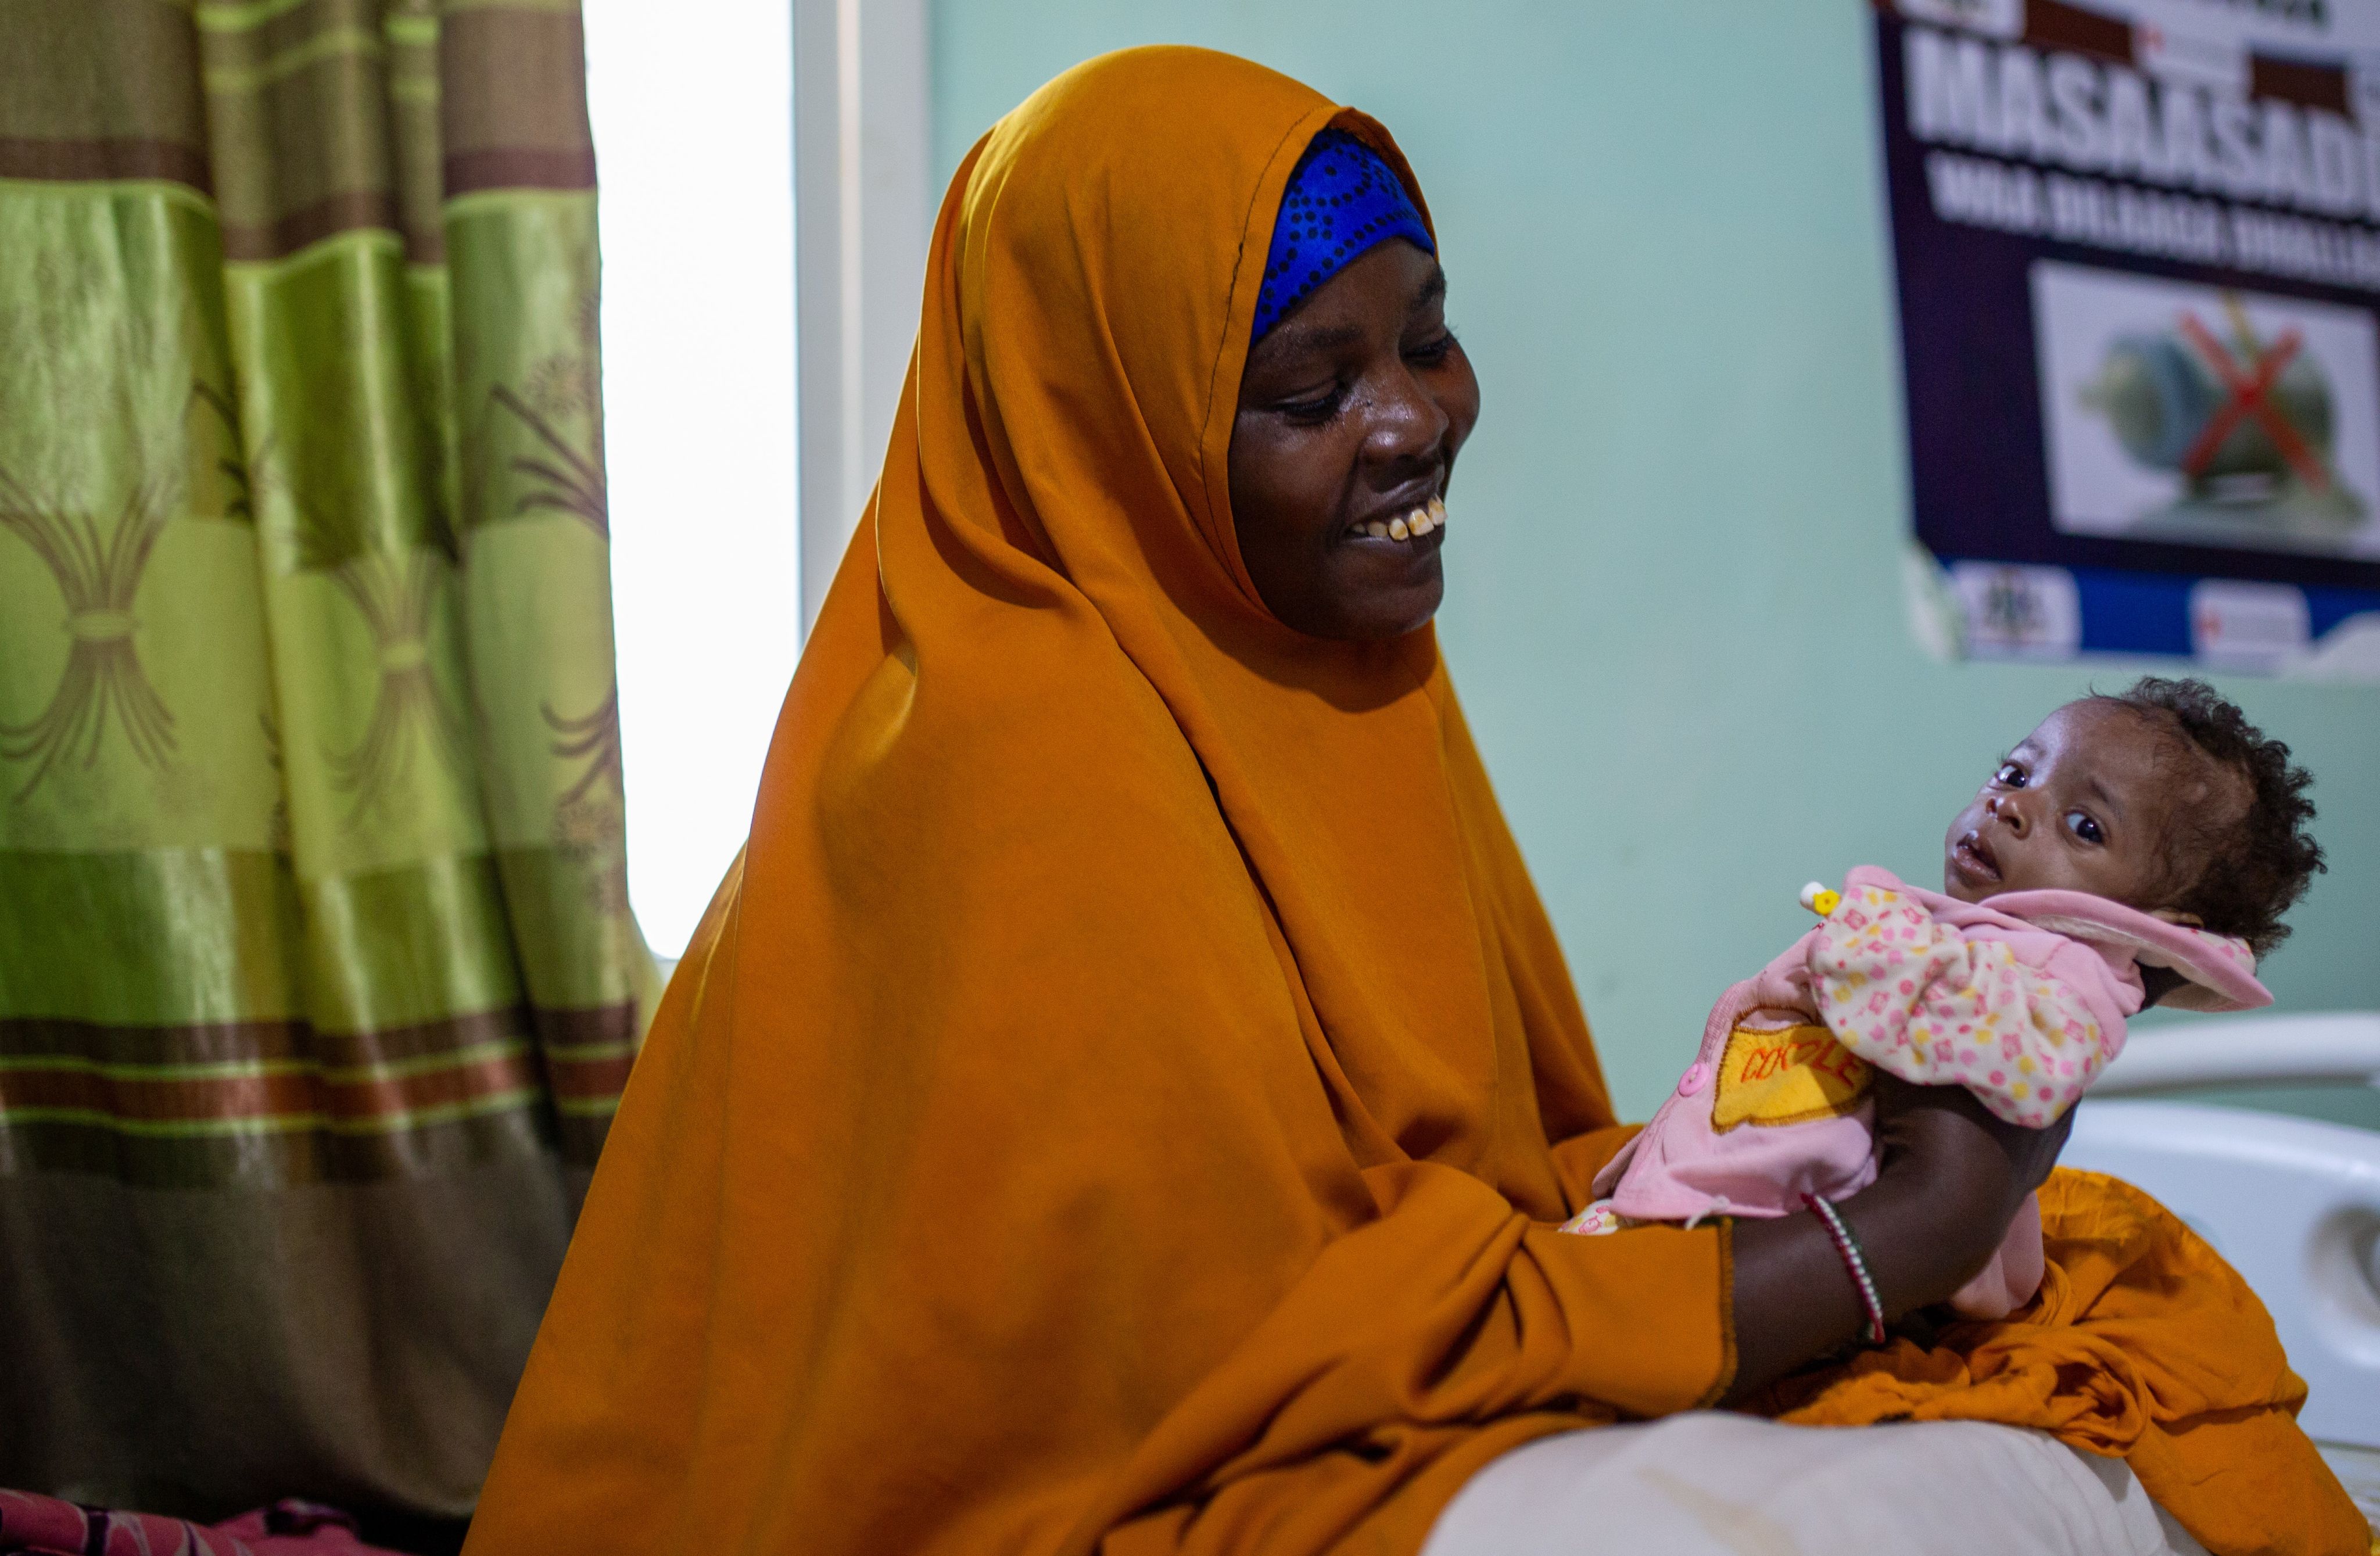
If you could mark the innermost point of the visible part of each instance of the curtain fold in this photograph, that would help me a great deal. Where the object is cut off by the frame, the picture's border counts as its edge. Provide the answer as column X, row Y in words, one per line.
column 318, row 982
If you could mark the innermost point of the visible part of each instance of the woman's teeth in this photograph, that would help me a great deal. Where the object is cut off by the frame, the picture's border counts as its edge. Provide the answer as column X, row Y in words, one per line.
column 1413, row 525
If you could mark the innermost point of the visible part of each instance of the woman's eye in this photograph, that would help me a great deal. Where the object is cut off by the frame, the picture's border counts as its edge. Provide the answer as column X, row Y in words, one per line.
column 1320, row 407
column 2009, row 775
column 1430, row 353
column 2083, row 826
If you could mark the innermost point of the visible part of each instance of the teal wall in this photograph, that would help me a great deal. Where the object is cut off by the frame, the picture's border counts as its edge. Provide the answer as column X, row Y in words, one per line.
column 1674, row 608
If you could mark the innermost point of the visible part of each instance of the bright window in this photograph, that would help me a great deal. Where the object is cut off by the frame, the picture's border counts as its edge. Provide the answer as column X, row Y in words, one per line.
column 693, row 118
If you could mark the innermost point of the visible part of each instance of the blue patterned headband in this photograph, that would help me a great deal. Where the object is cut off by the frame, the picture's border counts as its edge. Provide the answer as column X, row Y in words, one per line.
column 1342, row 202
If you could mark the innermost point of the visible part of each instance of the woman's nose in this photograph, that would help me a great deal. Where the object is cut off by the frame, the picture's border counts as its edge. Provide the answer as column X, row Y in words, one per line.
column 1409, row 423
column 2008, row 809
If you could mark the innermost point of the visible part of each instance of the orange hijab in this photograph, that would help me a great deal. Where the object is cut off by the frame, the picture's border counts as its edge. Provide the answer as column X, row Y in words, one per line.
column 1110, row 1102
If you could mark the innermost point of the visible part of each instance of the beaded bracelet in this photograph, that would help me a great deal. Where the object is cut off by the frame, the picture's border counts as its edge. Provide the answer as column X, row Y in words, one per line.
column 1854, row 1260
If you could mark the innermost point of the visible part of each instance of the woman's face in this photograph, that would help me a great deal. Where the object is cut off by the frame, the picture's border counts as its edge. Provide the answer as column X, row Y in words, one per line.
column 1351, row 412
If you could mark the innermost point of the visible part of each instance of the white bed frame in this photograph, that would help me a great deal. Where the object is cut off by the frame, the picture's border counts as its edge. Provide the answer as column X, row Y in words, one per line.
column 2294, row 1204
column 2328, row 1046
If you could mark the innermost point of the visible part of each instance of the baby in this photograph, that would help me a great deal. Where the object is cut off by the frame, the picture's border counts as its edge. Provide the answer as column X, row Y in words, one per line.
column 2132, row 850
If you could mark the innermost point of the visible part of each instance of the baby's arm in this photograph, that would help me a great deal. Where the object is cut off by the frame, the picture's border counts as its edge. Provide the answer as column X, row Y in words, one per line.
column 1918, row 999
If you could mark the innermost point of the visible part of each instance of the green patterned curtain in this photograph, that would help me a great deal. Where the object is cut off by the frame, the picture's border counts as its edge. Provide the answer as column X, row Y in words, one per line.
column 318, row 982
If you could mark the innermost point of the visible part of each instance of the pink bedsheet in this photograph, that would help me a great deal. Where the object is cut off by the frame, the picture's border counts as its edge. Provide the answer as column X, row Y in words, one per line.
column 37, row 1525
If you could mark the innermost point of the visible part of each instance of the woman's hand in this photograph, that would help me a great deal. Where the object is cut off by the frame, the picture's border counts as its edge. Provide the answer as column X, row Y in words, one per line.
column 1950, row 1180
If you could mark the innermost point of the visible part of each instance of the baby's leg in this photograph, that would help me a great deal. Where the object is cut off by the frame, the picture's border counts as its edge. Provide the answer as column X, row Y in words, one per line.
column 2009, row 1282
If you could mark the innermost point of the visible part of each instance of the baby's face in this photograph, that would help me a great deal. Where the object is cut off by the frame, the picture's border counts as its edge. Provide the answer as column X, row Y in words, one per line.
column 2089, row 802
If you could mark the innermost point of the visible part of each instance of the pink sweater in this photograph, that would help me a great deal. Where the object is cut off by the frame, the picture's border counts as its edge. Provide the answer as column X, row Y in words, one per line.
column 2022, row 1000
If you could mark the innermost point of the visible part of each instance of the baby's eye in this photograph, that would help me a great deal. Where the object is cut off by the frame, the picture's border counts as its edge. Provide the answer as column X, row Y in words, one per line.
column 2083, row 826
column 2009, row 775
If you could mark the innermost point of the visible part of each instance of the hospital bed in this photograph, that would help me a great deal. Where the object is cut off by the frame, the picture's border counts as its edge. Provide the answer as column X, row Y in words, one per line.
column 2293, row 1203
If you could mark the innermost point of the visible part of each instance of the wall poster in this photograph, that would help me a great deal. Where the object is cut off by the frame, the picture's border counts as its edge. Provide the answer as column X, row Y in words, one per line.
column 2137, row 251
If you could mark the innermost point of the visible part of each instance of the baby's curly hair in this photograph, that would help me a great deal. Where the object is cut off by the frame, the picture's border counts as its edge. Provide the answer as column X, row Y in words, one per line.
column 2259, row 863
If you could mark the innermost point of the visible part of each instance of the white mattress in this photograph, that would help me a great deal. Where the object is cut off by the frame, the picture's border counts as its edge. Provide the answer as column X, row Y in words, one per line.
column 1710, row 1484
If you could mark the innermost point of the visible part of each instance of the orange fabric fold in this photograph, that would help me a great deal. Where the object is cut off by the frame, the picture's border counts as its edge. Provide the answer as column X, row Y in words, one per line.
column 2143, row 1344
column 1113, row 1104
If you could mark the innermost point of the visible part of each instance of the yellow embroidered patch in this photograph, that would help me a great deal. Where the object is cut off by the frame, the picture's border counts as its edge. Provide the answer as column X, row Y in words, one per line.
column 1788, row 1075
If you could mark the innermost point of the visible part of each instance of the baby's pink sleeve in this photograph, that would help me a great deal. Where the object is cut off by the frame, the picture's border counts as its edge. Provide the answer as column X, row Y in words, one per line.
column 1914, row 997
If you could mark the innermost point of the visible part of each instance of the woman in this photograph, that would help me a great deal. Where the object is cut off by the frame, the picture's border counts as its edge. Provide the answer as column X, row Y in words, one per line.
column 1126, row 1091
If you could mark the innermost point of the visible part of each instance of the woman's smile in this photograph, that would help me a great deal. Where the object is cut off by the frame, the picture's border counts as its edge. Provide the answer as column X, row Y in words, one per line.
column 1422, row 521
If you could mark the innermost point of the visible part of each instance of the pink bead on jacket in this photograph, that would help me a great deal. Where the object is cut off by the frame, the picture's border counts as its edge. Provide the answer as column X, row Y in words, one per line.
column 2022, row 1000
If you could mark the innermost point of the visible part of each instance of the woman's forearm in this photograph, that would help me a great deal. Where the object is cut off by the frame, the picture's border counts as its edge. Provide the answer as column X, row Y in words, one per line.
column 1794, row 1299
